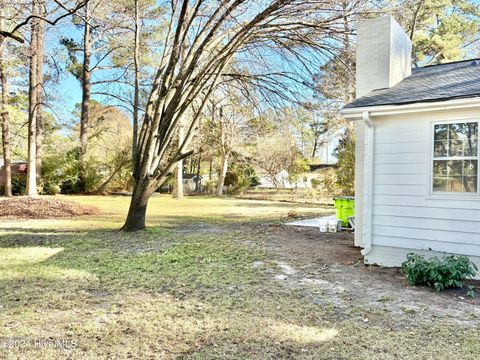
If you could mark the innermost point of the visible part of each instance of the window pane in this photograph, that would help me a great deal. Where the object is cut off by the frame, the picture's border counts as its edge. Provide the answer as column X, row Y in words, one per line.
column 455, row 175
column 470, row 173
column 440, row 148
column 440, row 168
column 472, row 140
column 440, row 175
column 462, row 139
column 455, row 184
column 470, row 183
column 439, row 184
column 441, row 132
column 454, row 168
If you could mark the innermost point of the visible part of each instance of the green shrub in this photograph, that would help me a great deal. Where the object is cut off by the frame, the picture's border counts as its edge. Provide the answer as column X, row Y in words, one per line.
column 447, row 272
column 315, row 182
column 19, row 184
column 345, row 153
column 239, row 178
column 52, row 189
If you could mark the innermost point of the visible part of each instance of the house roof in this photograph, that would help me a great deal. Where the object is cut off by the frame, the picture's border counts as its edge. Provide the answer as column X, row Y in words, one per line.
column 314, row 167
column 440, row 82
column 14, row 162
column 191, row 176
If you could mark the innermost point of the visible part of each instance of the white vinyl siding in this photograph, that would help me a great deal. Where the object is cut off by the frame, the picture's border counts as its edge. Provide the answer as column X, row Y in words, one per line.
column 405, row 213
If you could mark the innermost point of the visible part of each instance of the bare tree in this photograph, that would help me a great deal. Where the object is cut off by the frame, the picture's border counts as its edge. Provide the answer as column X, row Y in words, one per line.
column 178, row 190
column 226, row 128
column 14, row 33
column 136, row 90
column 33, row 88
column 131, row 46
column 86, row 93
column 216, row 33
column 36, row 18
column 318, row 128
column 5, row 121
column 277, row 157
column 40, row 50
column 94, row 54
column 228, row 114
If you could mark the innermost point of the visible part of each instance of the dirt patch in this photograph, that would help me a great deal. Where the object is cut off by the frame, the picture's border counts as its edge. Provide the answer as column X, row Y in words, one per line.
column 313, row 247
column 328, row 270
column 42, row 208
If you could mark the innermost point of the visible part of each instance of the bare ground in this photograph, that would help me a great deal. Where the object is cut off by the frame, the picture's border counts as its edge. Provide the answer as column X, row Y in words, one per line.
column 326, row 268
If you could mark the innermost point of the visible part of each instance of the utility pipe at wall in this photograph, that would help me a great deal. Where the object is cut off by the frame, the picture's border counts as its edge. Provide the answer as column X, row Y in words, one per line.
column 368, row 182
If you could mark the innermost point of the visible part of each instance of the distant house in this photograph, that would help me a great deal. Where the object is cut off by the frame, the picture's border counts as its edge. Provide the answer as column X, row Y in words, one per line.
column 316, row 174
column 18, row 167
column 417, row 156
column 192, row 183
column 280, row 181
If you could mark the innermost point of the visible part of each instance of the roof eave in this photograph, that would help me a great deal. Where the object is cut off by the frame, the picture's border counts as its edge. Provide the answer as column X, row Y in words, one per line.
column 382, row 110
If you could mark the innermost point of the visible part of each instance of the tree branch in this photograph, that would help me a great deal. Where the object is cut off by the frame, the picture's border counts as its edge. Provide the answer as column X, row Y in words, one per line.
column 11, row 34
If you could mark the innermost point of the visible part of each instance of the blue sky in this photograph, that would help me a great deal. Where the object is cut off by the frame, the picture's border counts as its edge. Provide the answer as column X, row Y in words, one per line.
column 68, row 90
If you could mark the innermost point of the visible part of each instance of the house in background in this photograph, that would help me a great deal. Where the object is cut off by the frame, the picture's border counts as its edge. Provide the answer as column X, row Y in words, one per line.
column 18, row 167
column 316, row 177
column 417, row 181
column 192, row 183
column 280, row 181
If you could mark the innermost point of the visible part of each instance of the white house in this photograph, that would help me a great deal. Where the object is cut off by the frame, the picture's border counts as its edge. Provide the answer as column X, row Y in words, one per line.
column 417, row 181
column 315, row 172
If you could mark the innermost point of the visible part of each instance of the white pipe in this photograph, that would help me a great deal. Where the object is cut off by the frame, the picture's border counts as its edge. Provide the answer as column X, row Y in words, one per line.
column 368, row 182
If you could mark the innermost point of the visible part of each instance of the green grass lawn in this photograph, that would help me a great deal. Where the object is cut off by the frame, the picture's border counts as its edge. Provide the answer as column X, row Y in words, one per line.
column 185, row 288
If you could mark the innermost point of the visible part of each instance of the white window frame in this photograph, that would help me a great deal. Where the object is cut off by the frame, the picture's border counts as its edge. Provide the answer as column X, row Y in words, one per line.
column 433, row 158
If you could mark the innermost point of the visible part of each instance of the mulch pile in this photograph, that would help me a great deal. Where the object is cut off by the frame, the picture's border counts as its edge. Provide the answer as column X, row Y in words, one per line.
column 42, row 208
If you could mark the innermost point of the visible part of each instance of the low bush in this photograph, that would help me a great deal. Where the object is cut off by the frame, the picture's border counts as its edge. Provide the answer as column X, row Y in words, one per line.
column 315, row 183
column 19, row 184
column 447, row 272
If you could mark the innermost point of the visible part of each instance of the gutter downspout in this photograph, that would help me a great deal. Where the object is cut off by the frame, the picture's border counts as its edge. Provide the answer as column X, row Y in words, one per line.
column 368, row 182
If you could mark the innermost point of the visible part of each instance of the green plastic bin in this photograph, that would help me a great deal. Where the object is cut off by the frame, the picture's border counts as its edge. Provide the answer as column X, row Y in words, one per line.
column 345, row 207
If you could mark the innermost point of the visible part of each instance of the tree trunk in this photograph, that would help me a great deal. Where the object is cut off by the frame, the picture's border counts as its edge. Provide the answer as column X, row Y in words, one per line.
column 86, row 93
column 315, row 146
column 102, row 187
column 39, row 93
column 350, row 91
column 138, row 208
column 136, row 94
column 178, row 192
column 179, row 173
column 221, row 176
column 7, row 154
column 197, row 183
column 32, row 106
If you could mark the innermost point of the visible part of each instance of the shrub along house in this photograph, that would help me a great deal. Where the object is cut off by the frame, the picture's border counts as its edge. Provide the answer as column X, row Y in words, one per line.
column 417, row 182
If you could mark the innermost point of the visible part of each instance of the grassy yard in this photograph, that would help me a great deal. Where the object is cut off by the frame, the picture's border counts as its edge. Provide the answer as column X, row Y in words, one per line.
column 207, row 280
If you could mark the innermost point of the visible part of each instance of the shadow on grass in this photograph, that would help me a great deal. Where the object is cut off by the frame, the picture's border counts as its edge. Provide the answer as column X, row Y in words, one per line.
column 155, row 260
column 155, row 293
column 89, row 272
